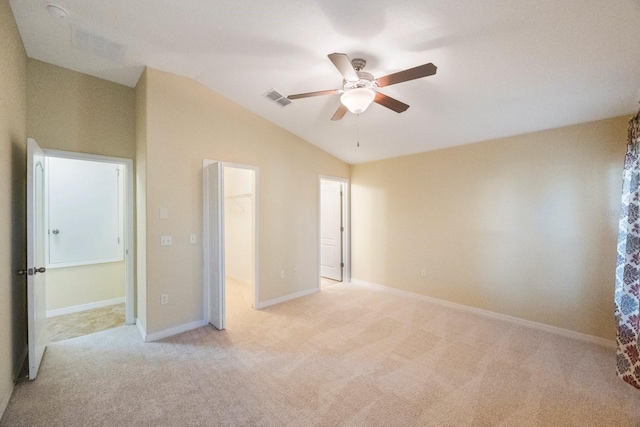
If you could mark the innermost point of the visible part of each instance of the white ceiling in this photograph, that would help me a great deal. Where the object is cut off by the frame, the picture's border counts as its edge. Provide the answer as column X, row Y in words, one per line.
column 504, row 67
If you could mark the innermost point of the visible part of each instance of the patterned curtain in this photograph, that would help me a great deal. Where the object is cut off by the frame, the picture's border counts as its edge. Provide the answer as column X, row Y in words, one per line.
column 627, row 293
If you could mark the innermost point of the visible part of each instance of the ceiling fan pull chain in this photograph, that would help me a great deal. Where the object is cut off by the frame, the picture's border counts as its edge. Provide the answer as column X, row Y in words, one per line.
column 358, row 129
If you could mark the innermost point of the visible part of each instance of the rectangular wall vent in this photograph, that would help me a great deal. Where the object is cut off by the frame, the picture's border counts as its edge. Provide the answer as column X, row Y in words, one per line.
column 97, row 45
column 276, row 97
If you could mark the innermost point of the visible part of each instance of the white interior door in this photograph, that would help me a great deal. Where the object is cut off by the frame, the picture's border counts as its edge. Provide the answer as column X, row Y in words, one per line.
column 331, row 230
column 215, row 228
column 36, row 291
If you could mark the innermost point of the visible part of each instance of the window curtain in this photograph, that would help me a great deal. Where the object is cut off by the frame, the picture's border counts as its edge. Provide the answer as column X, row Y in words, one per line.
column 627, row 292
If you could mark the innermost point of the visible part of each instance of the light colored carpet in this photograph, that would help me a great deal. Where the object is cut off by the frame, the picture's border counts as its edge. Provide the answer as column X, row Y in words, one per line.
column 347, row 356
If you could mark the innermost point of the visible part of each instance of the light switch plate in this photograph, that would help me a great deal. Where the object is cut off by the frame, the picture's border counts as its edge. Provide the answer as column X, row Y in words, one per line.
column 164, row 213
column 192, row 238
column 166, row 241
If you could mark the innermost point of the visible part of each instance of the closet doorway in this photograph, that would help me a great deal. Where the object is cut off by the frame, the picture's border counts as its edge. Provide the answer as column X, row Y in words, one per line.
column 334, row 231
column 88, row 243
column 230, row 241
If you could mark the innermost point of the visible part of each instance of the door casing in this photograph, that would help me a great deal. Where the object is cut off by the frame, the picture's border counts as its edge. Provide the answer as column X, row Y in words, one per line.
column 346, row 220
column 206, row 240
column 129, row 261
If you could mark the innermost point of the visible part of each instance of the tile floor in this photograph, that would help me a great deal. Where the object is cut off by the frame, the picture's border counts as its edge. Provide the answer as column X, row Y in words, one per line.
column 324, row 281
column 87, row 322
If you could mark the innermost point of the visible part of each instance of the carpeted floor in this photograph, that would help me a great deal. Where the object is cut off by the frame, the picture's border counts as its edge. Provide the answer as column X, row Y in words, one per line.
column 347, row 356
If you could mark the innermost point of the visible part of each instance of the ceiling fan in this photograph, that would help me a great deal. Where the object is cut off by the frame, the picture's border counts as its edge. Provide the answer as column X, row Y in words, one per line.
column 358, row 88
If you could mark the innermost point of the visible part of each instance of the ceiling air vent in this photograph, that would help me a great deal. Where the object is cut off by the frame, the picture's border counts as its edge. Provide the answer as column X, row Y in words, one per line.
column 97, row 45
column 276, row 97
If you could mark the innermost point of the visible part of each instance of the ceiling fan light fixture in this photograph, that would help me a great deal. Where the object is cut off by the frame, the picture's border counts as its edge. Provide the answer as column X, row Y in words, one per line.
column 357, row 100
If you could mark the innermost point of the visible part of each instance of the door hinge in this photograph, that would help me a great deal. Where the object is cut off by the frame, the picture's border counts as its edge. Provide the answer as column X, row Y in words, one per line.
column 342, row 229
column 342, row 264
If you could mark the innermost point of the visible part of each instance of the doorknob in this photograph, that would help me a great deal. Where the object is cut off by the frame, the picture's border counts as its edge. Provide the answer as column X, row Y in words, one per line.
column 55, row 231
column 31, row 271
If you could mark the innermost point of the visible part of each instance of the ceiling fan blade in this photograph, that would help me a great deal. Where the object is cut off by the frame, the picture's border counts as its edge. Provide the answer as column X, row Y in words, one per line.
column 390, row 103
column 343, row 64
column 406, row 75
column 318, row 93
column 340, row 112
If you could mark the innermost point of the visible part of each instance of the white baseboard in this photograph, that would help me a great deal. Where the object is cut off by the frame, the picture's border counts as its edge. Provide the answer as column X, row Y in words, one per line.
column 171, row 331
column 84, row 307
column 289, row 297
column 5, row 400
column 492, row 315
column 141, row 329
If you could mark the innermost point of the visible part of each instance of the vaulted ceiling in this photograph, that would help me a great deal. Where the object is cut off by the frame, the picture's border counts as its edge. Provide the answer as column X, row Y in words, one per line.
column 504, row 67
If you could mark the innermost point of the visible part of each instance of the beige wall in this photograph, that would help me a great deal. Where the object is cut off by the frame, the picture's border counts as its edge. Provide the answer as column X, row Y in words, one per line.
column 71, row 111
column 84, row 284
column 13, row 160
column 186, row 123
column 523, row 226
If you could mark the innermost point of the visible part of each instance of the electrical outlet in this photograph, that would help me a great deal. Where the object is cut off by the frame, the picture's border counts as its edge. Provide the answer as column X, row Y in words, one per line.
column 164, row 299
column 282, row 274
column 423, row 272
column 166, row 241
column 193, row 239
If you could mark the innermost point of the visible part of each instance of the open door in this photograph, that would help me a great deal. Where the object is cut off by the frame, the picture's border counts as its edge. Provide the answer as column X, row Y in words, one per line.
column 331, row 230
column 214, row 226
column 36, row 291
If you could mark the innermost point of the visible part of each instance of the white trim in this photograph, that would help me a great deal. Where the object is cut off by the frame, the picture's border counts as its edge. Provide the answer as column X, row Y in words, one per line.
column 492, row 315
column 205, row 232
column 129, row 249
column 289, row 297
column 5, row 400
column 143, row 332
column 84, row 307
column 346, row 218
column 173, row 331
column 85, row 156
column 204, row 240
column 85, row 262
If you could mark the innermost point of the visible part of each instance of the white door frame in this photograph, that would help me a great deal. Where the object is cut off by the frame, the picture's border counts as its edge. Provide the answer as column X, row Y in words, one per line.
column 129, row 262
column 346, row 218
column 206, row 280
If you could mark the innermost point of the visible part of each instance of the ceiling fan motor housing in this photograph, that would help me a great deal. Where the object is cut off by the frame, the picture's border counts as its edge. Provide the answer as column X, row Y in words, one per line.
column 365, row 80
column 358, row 64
